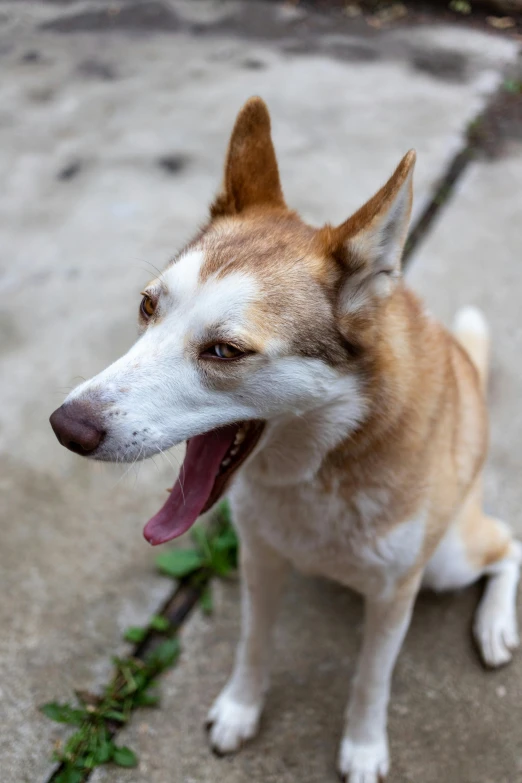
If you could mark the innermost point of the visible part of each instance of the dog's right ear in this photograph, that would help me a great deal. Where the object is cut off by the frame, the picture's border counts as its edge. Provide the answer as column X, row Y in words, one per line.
column 251, row 177
column 369, row 245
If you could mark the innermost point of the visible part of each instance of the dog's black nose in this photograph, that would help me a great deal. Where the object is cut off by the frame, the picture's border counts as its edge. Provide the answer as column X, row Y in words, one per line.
column 74, row 430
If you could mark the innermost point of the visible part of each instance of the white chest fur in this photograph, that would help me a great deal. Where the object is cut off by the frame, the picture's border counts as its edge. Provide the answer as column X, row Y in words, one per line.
column 320, row 533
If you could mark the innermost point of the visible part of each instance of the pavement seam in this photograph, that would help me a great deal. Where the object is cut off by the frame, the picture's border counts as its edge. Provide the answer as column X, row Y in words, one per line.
column 213, row 554
column 439, row 200
column 177, row 608
column 474, row 149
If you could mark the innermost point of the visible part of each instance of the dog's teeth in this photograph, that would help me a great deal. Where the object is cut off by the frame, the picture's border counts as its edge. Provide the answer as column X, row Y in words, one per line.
column 226, row 462
column 234, row 451
column 240, row 437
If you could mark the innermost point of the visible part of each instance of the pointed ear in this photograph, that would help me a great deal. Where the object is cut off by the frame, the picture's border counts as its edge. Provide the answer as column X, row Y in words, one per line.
column 251, row 176
column 370, row 243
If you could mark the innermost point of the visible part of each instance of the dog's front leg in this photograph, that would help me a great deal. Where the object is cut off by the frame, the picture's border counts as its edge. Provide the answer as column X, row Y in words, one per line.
column 235, row 714
column 363, row 756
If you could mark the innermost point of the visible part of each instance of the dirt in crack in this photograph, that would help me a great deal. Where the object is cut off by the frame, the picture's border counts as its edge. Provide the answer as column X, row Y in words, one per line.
column 488, row 137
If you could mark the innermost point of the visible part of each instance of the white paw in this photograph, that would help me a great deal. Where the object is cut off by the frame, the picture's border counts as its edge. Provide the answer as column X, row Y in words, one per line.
column 232, row 723
column 368, row 763
column 496, row 635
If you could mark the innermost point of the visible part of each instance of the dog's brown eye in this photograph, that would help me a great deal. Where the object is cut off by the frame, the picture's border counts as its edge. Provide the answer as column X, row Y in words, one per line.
column 224, row 351
column 147, row 306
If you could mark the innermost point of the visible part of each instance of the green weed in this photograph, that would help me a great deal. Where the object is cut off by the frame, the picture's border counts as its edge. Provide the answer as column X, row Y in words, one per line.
column 514, row 86
column 214, row 553
column 98, row 718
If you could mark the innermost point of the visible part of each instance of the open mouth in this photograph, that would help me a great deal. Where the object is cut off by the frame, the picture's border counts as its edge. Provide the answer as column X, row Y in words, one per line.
column 210, row 461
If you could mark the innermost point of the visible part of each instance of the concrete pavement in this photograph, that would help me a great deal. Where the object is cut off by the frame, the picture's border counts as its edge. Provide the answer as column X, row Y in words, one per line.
column 111, row 146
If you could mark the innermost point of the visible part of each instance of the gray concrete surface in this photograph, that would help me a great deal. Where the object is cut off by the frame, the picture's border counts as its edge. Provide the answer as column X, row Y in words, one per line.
column 111, row 145
column 449, row 720
column 473, row 257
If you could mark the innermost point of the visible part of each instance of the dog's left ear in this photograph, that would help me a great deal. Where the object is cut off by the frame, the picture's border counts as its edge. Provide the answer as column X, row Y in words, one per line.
column 369, row 244
column 251, row 176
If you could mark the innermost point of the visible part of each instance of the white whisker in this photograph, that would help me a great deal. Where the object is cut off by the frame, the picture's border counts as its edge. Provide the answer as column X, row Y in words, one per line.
column 130, row 466
column 164, row 454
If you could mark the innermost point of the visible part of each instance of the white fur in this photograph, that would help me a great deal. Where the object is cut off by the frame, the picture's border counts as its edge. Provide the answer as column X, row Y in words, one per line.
column 400, row 549
column 363, row 763
column 355, row 297
column 449, row 568
column 232, row 723
column 364, row 748
column 471, row 320
column 312, row 433
column 495, row 626
column 261, row 586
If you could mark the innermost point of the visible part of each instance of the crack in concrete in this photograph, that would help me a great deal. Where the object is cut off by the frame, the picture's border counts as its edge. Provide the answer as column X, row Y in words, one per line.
column 176, row 609
column 486, row 137
column 438, row 201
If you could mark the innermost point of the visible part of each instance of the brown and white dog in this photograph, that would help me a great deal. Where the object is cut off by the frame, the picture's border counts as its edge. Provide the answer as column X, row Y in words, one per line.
column 358, row 421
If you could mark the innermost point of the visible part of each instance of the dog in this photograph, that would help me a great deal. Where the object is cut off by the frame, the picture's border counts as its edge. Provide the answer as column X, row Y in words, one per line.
column 300, row 356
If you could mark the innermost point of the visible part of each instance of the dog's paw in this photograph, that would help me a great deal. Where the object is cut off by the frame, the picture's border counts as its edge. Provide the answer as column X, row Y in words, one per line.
column 231, row 724
column 496, row 635
column 360, row 763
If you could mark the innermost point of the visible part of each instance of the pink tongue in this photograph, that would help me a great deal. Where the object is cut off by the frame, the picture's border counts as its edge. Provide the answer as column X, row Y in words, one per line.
column 193, row 486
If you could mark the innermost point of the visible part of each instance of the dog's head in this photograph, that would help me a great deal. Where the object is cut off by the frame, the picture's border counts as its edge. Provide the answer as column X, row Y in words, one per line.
column 259, row 318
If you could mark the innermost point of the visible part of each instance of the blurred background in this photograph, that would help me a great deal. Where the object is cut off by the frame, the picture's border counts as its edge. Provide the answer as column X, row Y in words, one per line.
column 114, row 120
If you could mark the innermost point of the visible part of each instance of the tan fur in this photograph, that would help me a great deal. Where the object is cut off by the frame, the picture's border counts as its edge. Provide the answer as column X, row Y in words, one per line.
column 425, row 432
column 251, row 176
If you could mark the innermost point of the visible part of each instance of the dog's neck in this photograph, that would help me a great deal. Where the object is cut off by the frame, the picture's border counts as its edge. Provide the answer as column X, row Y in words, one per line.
column 293, row 447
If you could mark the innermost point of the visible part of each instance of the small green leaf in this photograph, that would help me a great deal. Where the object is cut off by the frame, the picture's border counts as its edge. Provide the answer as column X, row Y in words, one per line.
column 124, row 757
column 97, row 746
column 115, row 715
column 147, row 700
column 221, row 565
column 513, row 86
column 179, row 562
column 226, row 539
column 223, row 513
column 159, row 623
column 165, row 654
column 69, row 775
column 201, row 539
column 103, row 753
column 460, row 6
column 205, row 601
column 63, row 713
column 135, row 634
column 76, row 743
